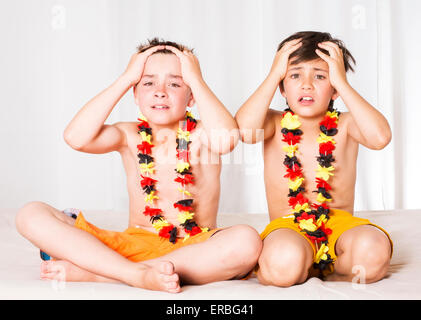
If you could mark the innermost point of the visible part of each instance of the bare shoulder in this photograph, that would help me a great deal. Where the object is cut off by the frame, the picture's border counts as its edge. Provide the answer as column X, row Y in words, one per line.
column 273, row 117
column 128, row 129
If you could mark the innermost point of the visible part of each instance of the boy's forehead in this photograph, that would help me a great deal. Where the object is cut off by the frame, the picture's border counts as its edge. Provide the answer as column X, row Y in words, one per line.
column 310, row 64
column 162, row 64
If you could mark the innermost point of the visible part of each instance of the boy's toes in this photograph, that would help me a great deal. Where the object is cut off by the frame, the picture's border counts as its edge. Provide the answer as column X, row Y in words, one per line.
column 166, row 267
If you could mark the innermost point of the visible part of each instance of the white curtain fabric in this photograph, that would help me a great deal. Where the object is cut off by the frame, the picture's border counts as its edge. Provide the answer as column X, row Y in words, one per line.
column 56, row 55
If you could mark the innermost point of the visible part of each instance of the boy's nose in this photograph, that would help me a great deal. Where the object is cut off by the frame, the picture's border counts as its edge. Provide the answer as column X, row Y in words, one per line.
column 160, row 93
column 306, row 84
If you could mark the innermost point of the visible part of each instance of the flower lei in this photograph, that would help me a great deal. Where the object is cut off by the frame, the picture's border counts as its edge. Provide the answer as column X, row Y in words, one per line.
column 184, row 177
column 311, row 218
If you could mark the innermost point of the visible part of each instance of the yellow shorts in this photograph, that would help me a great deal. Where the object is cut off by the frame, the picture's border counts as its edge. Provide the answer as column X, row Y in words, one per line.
column 339, row 221
column 137, row 244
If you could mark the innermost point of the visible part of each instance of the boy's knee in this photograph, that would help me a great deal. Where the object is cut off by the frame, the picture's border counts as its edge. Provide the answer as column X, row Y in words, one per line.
column 27, row 214
column 372, row 256
column 245, row 246
column 284, row 268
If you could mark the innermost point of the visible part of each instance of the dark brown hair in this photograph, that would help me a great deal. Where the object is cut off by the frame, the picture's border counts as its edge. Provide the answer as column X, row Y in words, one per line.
column 160, row 42
column 310, row 41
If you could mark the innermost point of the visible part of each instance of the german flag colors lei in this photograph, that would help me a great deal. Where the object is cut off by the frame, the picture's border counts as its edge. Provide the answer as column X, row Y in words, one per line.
column 183, row 176
column 311, row 218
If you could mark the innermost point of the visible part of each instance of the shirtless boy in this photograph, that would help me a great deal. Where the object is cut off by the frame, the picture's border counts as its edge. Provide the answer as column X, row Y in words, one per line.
column 172, row 180
column 310, row 154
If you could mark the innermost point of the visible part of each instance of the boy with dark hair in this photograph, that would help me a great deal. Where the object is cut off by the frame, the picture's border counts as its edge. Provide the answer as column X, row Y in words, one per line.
column 312, row 229
column 173, row 186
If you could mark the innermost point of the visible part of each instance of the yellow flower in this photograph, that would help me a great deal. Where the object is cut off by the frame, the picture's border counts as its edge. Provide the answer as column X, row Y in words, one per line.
column 333, row 114
column 145, row 136
column 184, row 216
column 184, row 191
column 151, row 197
column 159, row 224
column 298, row 207
column 181, row 166
column 321, row 198
column 290, row 121
column 308, row 224
column 321, row 254
column 290, row 149
column 147, row 167
column 324, row 173
column 142, row 117
column 322, row 219
column 322, row 138
column 181, row 134
column 189, row 114
column 295, row 184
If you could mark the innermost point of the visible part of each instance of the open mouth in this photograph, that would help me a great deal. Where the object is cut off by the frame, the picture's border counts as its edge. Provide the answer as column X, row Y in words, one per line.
column 160, row 107
column 306, row 100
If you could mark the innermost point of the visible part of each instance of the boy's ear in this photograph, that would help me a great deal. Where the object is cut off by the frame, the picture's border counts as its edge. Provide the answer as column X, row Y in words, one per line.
column 281, row 89
column 134, row 93
column 335, row 94
column 191, row 101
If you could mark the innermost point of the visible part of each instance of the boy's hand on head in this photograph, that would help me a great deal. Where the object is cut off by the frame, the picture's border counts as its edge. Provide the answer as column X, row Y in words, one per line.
column 135, row 67
column 335, row 60
column 190, row 68
column 280, row 63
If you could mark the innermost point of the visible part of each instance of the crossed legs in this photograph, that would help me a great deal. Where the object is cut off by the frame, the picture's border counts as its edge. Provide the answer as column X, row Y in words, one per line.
column 287, row 257
column 228, row 254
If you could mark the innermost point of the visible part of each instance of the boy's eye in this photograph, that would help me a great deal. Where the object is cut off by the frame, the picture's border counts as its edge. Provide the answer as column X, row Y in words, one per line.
column 294, row 76
column 320, row 77
column 147, row 83
column 175, row 85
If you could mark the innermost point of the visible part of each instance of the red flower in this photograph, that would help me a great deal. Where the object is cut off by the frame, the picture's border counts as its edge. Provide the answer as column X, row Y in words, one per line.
column 314, row 239
column 290, row 138
column 146, row 181
column 183, row 155
column 329, row 123
column 327, row 231
column 165, row 231
column 184, row 180
column 145, row 147
column 326, row 148
column 190, row 125
column 151, row 211
column 323, row 184
column 193, row 231
column 306, row 216
column 180, row 207
column 295, row 172
column 142, row 123
column 292, row 201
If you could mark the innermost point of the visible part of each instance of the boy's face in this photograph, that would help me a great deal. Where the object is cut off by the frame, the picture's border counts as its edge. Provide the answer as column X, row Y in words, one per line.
column 307, row 88
column 161, row 94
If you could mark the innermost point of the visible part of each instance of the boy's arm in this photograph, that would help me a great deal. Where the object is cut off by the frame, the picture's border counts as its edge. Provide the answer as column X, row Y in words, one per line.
column 87, row 132
column 219, row 125
column 367, row 125
column 253, row 115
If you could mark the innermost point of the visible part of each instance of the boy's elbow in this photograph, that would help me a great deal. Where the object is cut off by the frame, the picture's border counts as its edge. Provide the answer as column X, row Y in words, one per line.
column 383, row 140
column 68, row 138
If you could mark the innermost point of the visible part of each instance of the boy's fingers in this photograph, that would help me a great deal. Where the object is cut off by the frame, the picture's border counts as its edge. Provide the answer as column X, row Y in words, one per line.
column 324, row 56
column 174, row 50
column 334, row 49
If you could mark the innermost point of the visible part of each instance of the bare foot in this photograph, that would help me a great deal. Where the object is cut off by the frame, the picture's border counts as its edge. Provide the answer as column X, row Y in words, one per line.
column 160, row 277
column 63, row 270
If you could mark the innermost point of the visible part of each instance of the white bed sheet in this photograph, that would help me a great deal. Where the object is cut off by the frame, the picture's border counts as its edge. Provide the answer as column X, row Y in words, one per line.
column 20, row 266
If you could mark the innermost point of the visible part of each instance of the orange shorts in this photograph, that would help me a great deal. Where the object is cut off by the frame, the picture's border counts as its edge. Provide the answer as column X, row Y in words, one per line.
column 339, row 221
column 137, row 244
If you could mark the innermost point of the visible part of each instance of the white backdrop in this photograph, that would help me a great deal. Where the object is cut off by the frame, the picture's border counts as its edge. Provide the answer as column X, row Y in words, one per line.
column 56, row 55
